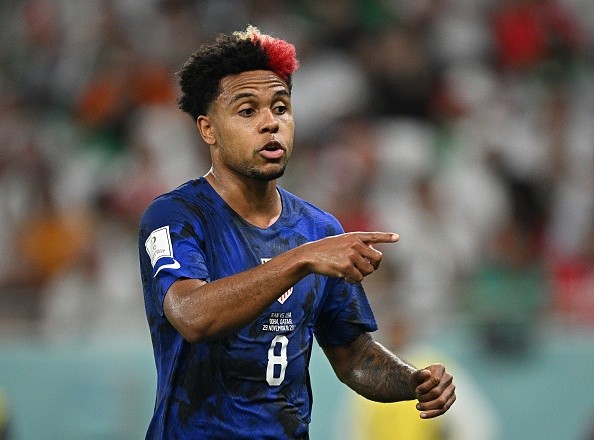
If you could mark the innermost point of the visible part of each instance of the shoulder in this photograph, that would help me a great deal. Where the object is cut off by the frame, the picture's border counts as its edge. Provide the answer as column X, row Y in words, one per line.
column 177, row 203
column 302, row 211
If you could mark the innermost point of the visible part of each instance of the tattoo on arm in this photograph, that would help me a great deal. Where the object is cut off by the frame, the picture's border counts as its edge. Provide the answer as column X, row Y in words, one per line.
column 378, row 374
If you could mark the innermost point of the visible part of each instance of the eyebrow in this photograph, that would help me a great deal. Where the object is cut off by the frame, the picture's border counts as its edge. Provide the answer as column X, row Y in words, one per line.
column 239, row 96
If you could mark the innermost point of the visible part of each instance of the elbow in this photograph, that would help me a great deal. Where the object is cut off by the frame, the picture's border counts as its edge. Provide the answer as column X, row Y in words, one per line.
column 191, row 335
column 344, row 375
column 192, row 322
column 196, row 330
column 192, row 327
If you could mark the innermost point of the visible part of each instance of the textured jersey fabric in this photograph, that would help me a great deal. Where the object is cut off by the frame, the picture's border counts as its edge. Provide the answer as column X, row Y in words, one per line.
column 252, row 384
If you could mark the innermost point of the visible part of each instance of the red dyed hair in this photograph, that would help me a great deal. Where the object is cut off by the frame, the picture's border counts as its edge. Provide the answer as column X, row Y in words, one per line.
column 281, row 55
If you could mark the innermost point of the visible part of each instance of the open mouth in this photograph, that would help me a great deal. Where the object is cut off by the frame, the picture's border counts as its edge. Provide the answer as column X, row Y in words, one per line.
column 272, row 150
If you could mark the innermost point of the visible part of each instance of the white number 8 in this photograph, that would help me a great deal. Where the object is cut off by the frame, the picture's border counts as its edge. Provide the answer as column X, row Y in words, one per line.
column 280, row 359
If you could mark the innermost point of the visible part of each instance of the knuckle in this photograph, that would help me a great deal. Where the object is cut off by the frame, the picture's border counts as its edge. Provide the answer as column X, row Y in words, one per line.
column 346, row 268
column 351, row 254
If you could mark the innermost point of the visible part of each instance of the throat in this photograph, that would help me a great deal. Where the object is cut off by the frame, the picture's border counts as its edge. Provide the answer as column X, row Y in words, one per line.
column 262, row 212
column 259, row 205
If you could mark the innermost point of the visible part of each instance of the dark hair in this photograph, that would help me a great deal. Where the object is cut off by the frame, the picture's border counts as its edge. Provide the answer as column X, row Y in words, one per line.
column 200, row 77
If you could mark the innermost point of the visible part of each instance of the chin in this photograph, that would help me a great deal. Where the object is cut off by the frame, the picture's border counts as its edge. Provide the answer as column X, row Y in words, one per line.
column 264, row 176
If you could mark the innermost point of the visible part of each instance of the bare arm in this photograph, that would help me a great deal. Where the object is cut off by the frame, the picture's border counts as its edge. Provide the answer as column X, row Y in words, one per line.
column 202, row 311
column 377, row 374
column 371, row 370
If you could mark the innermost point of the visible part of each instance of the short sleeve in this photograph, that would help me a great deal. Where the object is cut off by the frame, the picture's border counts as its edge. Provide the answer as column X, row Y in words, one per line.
column 170, row 250
column 345, row 314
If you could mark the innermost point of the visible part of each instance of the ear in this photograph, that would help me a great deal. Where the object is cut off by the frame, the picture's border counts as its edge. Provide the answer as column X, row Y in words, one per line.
column 206, row 129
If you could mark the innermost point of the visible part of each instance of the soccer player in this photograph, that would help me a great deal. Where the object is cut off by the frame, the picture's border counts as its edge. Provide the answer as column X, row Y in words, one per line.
column 239, row 275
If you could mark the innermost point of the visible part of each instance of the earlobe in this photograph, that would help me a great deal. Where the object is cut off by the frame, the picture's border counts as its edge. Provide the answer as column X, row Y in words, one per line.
column 205, row 129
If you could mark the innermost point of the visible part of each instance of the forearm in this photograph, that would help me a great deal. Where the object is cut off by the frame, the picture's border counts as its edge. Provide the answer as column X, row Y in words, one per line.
column 203, row 311
column 374, row 372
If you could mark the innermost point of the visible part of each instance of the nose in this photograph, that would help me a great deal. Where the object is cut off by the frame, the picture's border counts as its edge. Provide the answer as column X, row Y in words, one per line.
column 269, row 123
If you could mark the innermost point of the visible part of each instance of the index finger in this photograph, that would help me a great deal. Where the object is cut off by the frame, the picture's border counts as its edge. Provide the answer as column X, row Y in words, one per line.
column 421, row 376
column 377, row 237
column 429, row 381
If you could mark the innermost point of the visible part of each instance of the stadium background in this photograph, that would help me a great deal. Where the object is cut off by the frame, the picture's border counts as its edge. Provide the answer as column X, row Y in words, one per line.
column 464, row 125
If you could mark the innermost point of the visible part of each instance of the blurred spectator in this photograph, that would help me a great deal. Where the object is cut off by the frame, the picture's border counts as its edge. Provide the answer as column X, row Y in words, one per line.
column 427, row 260
column 573, row 284
column 432, row 210
column 399, row 70
column 569, row 244
column 509, row 293
column 319, row 86
column 529, row 33
column 47, row 242
column 43, row 46
column 139, row 183
column 345, row 173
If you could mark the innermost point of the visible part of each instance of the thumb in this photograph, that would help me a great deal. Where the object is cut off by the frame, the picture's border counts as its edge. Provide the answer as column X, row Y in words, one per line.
column 421, row 376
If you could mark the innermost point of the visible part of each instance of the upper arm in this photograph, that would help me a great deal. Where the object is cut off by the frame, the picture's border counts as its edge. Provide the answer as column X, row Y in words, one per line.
column 178, row 307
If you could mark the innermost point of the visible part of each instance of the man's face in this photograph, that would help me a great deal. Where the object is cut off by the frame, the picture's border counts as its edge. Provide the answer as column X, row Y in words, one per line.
column 250, row 126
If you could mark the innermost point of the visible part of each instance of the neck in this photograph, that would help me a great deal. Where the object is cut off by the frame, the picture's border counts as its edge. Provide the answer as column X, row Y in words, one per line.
column 257, row 202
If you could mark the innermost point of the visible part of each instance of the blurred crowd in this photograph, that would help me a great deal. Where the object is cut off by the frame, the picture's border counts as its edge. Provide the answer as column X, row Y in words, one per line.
column 467, row 126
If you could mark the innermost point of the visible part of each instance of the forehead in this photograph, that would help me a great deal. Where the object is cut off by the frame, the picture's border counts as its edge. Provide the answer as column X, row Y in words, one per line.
column 253, row 82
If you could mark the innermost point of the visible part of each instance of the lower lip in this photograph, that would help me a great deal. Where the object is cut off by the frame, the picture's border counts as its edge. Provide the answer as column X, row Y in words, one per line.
column 272, row 154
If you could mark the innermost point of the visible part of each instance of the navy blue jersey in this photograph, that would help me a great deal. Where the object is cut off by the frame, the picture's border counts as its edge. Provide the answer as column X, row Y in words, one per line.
column 253, row 384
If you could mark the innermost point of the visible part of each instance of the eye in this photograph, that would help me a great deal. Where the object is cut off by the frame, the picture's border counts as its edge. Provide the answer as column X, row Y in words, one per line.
column 280, row 109
column 246, row 112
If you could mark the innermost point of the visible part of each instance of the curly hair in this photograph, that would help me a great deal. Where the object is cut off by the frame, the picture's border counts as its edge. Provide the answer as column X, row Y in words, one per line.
column 200, row 77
